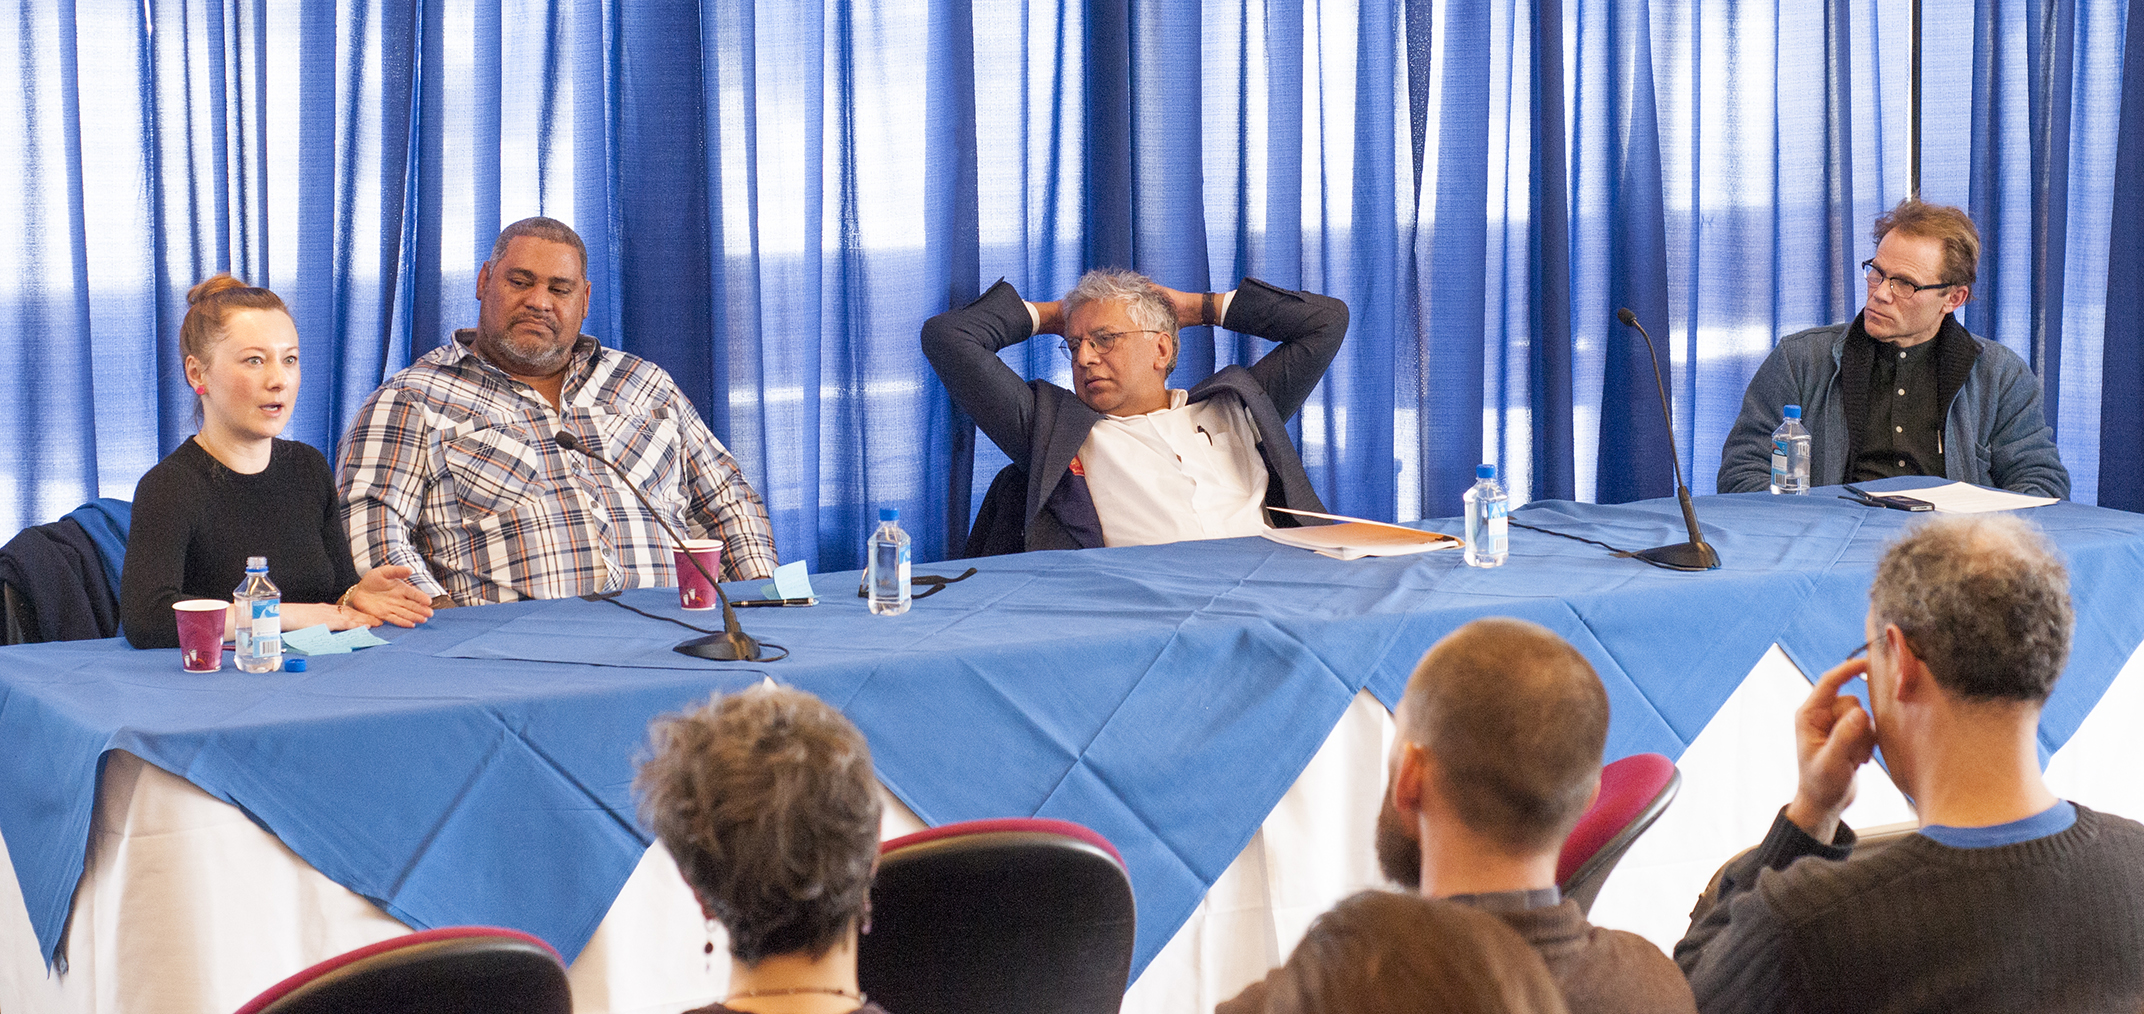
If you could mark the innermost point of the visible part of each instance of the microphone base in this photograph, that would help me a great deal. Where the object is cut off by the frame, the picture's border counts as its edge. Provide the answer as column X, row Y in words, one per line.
column 720, row 648
column 1681, row 556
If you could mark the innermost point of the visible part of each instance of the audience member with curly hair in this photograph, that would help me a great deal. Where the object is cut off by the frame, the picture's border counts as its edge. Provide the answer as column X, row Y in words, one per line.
column 767, row 801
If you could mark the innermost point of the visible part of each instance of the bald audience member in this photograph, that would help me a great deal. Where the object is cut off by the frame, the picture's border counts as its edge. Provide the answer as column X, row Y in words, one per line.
column 2007, row 898
column 1498, row 754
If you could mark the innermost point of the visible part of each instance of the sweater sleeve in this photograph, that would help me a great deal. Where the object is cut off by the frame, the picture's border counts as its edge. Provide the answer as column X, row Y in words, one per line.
column 1746, row 457
column 1736, row 953
column 154, row 574
column 2021, row 444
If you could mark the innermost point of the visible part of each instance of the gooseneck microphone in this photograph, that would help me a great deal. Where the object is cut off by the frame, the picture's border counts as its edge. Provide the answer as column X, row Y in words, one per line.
column 1694, row 554
column 733, row 644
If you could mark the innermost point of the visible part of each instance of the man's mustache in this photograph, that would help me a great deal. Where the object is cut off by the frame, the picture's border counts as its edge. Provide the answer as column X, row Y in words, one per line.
column 548, row 321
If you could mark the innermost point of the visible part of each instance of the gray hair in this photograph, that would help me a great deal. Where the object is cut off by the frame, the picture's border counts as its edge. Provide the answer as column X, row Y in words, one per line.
column 1984, row 600
column 541, row 228
column 766, row 800
column 1143, row 301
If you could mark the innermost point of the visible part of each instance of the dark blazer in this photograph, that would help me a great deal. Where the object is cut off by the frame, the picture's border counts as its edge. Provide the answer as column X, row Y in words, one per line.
column 57, row 577
column 1041, row 425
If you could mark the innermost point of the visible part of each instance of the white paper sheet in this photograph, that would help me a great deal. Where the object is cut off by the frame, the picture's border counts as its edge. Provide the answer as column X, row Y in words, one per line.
column 1966, row 498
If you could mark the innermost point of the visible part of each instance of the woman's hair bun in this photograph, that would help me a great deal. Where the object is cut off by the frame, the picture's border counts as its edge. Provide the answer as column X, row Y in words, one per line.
column 221, row 281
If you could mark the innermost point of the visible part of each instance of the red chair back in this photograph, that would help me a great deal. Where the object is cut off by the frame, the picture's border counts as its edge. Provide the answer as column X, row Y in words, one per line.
column 1635, row 791
column 1032, row 915
column 456, row 970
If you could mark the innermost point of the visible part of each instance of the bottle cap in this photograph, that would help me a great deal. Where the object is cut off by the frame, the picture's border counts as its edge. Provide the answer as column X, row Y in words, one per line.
column 256, row 563
column 293, row 665
column 889, row 514
column 1794, row 411
column 1485, row 471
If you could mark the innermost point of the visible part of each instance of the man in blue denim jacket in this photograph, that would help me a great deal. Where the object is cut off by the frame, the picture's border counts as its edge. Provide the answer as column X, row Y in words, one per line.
column 1903, row 389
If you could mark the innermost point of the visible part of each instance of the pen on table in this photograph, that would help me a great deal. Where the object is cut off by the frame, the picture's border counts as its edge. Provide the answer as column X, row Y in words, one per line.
column 749, row 603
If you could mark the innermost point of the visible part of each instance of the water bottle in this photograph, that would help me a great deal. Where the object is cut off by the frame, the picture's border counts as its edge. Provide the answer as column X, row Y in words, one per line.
column 1488, row 527
column 259, row 633
column 887, row 572
column 1790, row 454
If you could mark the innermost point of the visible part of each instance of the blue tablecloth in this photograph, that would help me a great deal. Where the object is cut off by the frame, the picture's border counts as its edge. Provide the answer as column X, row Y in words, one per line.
column 478, row 769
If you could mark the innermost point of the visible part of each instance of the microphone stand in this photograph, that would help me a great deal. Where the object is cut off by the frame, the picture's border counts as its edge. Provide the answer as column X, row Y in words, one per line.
column 1694, row 554
column 733, row 644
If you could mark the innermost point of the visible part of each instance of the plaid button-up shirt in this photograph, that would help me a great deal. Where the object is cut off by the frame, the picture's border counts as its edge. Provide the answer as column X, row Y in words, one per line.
column 450, row 469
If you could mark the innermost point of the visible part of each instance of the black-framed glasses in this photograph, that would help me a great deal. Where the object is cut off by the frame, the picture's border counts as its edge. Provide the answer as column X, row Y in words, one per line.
column 1901, row 288
column 1867, row 645
column 1102, row 341
column 935, row 583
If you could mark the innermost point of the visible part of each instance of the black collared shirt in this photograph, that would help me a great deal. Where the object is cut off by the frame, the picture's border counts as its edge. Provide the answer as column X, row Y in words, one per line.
column 1901, row 434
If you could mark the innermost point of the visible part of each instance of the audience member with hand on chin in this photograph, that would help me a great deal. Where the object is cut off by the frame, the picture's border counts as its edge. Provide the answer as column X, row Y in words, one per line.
column 2007, row 897
column 234, row 490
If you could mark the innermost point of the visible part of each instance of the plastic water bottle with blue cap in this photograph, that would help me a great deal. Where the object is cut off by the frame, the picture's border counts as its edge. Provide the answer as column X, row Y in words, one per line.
column 1790, row 454
column 257, row 635
column 1488, row 524
column 886, row 573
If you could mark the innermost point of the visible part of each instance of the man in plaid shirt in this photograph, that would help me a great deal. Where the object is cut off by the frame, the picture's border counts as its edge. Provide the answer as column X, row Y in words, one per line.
column 450, row 468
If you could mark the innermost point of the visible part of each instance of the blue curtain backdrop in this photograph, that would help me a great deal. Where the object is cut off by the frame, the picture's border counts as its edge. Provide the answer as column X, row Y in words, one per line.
column 775, row 196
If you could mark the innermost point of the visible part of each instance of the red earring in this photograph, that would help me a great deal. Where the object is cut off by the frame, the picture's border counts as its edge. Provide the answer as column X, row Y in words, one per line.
column 200, row 388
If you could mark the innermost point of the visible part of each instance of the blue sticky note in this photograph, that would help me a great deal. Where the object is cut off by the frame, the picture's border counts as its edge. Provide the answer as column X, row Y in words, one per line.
column 791, row 581
column 357, row 637
column 314, row 640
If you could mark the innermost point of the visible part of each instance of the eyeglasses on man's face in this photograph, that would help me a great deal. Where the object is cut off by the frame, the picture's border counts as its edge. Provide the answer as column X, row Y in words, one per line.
column 1868, row 646
column 1102, row 341
column 1900, row 288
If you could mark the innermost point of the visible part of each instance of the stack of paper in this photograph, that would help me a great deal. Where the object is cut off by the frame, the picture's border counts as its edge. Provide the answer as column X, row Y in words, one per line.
column 1354, row 538
column 1966, row 498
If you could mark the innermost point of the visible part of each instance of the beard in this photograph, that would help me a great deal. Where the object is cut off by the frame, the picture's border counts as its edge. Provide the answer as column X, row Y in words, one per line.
column 523, row 355
column 1399, row 853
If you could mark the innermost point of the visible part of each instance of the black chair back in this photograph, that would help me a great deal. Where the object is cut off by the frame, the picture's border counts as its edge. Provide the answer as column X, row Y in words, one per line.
column 459, row 970
column 1016, row 915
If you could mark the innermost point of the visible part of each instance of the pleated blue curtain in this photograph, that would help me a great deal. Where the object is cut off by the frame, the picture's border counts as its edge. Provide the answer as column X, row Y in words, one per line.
column 2047, row 112
column 1783, row 133
column 2121, row 390
column 775, row 196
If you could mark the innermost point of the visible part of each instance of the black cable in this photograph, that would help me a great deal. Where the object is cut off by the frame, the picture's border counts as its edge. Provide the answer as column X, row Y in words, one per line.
column 1574, row 538
column 612, row 598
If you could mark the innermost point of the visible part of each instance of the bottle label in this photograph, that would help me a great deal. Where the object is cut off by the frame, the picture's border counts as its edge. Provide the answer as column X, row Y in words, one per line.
column 266, row 633
column 1779, row 461
column 1499, row 528
column 889, row 571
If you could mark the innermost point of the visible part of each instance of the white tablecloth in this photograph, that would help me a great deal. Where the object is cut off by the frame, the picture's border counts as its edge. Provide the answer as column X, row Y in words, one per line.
column 187, row 906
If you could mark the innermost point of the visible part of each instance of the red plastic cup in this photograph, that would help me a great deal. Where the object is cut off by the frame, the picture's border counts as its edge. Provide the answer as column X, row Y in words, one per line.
column 200, row 633
column 693, row 591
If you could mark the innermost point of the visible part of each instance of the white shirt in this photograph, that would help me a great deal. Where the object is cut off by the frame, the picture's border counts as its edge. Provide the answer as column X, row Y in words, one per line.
column 1175, row 474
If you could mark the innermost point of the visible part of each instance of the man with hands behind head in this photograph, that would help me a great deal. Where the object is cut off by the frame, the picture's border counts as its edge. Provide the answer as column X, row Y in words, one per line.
column 2007, row 898
column 1123, row 460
